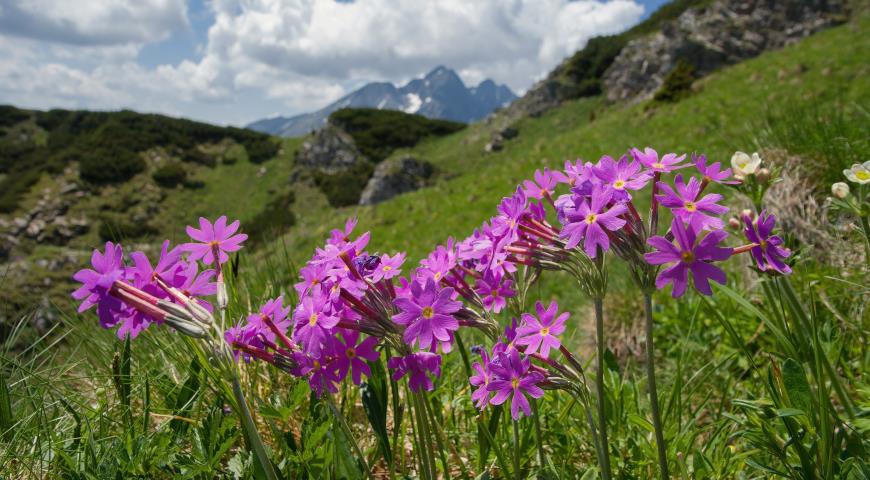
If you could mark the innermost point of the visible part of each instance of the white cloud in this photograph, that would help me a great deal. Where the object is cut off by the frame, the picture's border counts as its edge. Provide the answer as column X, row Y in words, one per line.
column 299, row 54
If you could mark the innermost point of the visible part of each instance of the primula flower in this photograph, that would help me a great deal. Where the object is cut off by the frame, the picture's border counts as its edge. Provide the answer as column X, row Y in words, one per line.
column 649, row 158
column 620, row 177
column 588, row 221
column 688, row 256
column 322, row 375
column 97, row 284
column 217, row 239
column 314, row 321
column 684, row 203
column 494, row 291
column 512, row 377
column 713, row 172
column 272, row 311
column 769, row 252
column 350, row 356
column 544, row 184
column 389, row 267
column 540, row 332
column 418, row 366
column 167, row 268
column 859, row 173
column 427, row 314
column 480, row 379
column 744, row 165
column 581, row 176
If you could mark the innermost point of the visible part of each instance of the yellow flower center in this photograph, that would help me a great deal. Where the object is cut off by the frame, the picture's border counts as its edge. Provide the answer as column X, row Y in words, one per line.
column 387, row 268
column 351, row 353
column 428, row 313
column 619, row 184
column 862, row 175
column 545, row 331
column 494, row 293
column 437, row 275
column 658, row 165
column 515, row 382
column 316, row 364
column 687, row 256
column 691, row 207
column 590, row 219
column 763, row 244
column 213, row 243
column 312, row 320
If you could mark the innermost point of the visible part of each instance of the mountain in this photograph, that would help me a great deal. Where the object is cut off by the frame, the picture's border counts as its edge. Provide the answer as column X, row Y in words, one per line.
column 440, row 94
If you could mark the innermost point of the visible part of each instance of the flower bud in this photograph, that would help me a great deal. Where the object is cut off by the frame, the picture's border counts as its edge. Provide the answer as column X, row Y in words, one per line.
column 763, row 176
column 734, row 223
column 840, row 190
column 188, row 328
column 747, row 213
column 222, row 299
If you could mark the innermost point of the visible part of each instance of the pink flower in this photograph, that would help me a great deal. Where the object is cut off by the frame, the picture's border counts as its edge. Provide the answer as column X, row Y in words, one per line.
column 350, row 356
column 512, row 377
column 427, row 315
column 590, row 222
column 418, row 366
column 686, row 205
column 540, row 332
column 388, row 268
column 494, row 291
column 649, row 158
column 315, row 320
column 214, row 240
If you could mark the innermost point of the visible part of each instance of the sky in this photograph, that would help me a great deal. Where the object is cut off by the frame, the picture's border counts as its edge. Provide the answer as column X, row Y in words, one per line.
column 230, row 62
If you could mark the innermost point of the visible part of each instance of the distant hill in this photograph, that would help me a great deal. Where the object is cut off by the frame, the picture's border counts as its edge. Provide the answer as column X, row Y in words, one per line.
column 441, row 94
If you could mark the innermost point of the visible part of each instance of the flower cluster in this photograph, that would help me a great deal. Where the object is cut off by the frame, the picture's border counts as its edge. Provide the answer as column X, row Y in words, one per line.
column 134, row 296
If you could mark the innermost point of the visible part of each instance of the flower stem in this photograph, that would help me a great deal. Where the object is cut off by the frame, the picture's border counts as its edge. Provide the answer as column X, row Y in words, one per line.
column 599, row 386
column 538, row 436
column 345, row 428
column 516, row 425
column 865, row 226
column 653, row 394
column 250, row 429
column 426, row 453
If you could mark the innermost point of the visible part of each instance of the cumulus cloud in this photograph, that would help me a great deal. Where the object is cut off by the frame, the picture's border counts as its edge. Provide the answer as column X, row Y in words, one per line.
column 264, row 54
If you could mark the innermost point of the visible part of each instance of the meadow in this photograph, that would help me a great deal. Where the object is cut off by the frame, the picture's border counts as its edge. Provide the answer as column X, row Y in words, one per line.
column 764, row 378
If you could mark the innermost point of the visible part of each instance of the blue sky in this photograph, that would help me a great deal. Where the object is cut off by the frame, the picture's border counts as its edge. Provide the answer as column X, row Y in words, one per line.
column 235, row 61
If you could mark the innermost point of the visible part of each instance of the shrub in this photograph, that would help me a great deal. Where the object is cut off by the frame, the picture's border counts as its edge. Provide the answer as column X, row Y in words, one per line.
column 108, row 165
column 678, row 83
column 260, row 150
column 10, row 115
column 343, row 189
column 273, row 220
column 170, row 175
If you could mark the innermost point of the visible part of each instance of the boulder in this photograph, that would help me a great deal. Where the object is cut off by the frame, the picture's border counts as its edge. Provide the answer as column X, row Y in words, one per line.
column 394, row 177
column 722, row 33
column 329, row 150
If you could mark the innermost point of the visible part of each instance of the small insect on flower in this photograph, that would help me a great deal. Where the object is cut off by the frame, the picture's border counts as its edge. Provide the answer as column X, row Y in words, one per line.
column 539, row 333
column 513, row 377
column 689, row 255
column 859, row 173
column 840, row 190
column 214, row 240
column 744, row 165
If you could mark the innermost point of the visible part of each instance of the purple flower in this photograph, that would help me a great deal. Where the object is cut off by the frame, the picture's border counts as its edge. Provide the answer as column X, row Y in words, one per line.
column 417, row 366
column 493, row 290
column 769, row 252
column 314, row 321
column 97, row 284
column 619, row 177
column 540, row 332
column 214, row 239
column 588, row 222
column 273, row 311
column 389, row 267
column 427, row 314
column 512, row 377
column 350, row 356
column 688, row 256
column 713, row 172
column 480, row 379
column 438, row 264
column 323, row 376
column 581, row 176
column 685, row 204
column 167, row 268
column 312, row 274
column 544, row 184
column 196, row 284
column 649, row 158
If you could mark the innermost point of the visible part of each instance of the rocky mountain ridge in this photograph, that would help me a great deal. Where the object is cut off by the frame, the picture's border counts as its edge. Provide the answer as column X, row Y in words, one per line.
column 441, row 94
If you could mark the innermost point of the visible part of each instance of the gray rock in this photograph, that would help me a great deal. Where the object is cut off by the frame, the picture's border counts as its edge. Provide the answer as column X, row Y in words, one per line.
column 723, row 33
column 329, row 150
column 509, row 133
column 394, row 177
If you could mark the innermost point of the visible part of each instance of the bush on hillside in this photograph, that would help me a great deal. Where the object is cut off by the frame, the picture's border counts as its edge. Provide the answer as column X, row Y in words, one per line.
column 261, row 150
column 108, row 165
column 583, row 71
column 344, row 189
column 10, row 115
column 678, row 83
column 377, row 133
column 170, row 175
column 273, row 220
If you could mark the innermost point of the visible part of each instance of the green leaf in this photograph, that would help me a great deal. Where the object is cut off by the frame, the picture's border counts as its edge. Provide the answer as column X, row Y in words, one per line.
column 5, row 408
column 641, row 422
column 185, row 398
column 374, row 400
column 796, row 386
column 789, row 412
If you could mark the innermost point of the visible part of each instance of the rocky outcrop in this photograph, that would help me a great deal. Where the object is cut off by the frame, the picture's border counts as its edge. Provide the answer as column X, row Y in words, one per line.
column 329, row 150
column 394, row 177
column 48, row 221
column 723, row 33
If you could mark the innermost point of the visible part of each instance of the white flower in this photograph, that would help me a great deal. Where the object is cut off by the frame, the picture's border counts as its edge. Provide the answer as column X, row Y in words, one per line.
column 743, row 164
column 859, row 173
column 840, row 190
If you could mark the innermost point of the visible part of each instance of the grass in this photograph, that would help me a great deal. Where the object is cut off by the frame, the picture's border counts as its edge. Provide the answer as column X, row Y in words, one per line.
column 748, row 379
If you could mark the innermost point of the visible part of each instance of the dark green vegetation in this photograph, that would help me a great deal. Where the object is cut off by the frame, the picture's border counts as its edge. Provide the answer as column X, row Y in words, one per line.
column 677, row 84
column 378, row 132
column 344, row 188
column 766, row 379
column 107, row 145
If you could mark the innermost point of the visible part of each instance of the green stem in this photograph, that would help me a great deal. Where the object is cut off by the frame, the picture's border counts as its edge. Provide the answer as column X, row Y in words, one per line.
column 348, row 433
column 516, row 450
column 250, row 428
column 427, row 454
column 865, row 226
column 599, row 386
column 538, row 436
column 653, row 394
